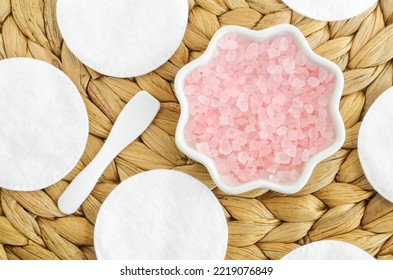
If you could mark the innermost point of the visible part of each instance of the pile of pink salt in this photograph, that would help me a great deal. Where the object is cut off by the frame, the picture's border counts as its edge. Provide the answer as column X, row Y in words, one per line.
column 259, row 109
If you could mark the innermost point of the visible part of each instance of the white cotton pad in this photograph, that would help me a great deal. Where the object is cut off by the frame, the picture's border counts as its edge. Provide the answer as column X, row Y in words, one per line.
column 375, row 145
column 161, row 215
column 330, row 10
column 328, row 250
column 123, row 38
column 43, row 124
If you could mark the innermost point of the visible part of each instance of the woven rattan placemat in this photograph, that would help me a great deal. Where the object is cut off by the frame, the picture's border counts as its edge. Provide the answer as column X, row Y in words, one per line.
column 337, row 203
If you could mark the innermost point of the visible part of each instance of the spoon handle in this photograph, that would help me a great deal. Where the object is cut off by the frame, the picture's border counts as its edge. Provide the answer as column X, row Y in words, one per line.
column 131, row 123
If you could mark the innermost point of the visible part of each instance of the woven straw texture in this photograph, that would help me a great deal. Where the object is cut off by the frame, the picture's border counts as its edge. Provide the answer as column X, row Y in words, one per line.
column 337, row 203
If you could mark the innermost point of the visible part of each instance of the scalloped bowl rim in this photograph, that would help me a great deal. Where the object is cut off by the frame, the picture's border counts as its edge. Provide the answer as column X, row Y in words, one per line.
column 334, row 101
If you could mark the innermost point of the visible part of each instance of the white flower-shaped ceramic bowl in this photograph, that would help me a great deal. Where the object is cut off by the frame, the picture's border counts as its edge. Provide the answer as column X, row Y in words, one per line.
column 333, row 107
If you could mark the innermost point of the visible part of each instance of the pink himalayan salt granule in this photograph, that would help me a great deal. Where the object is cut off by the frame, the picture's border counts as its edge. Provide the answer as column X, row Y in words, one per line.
column 259, row 109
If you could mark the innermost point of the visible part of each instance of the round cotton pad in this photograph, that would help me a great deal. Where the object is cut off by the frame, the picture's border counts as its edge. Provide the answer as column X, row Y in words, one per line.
column 375, row 146
column 161, row 215
column 330, row 10
column 123, row 38
column 44, row 124
column 328, row 250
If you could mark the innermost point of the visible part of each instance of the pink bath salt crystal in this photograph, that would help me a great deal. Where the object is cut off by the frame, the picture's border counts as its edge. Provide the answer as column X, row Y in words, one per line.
column 214, row 103
column 285, row 143
column 309, row 108
column 204, row 70
column 300, row 135
column 242, row 157
column 210, row 130
column 211, row 81
column 313, row 132
column 220, row 69
column 262, row 85
column 278, row 121
column 203, row 148
column 255, row 145
column 255, row 104
column 255, row 64
column 225, row 147
column 262, row 114
column 249, row 128
column 242, row 80
column 222, row 167
column 224, row 120
column 273, row 110
column 242, row 102
column 322, row 74
column 329, row 78
column 322, row 101
column 214, row 142
column 322, row 114
column 244, row 176
column 289, row 64
column 204, row 100
column 274, row 178
column 292, row 135
column 208, row 92
column 312, row 119
column 251, row 89
column 293, row 175
column 284, row 44
column 200, row 129
column 273, row 53
column 231, row 92
column 231, row 56
column 297, row 160
column 253, row 50
column 298, row 83
column 291, row 151
column 264, row 134
column 275, row 43
column 274, row 69
column 230, row 179
column 313, row 81
column 313, row 151
column 225, row 109
column 297, row 102
column 277, row 78
column 280, row 99
column 225, row 97
column 211, row 119
column 321, row 90
column 282, row 158
column 321, row 126
column 232, row 133
column 320, row 142
column 328, row 134
column 295, row 112
column 281, row 130
column 229, row 45
column 311, row 65
column 283, row 176
column 305, row 155
column 200, row 118
column 190, row 89
column 272, row 84
column 300, row 58
column 249, row 69
column 236, row 145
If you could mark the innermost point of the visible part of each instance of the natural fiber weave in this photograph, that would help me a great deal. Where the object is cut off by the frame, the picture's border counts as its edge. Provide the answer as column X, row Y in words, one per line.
column 337, row 203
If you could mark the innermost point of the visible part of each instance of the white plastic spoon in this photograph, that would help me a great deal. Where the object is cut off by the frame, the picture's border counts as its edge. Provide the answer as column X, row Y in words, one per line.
column 132, row 122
